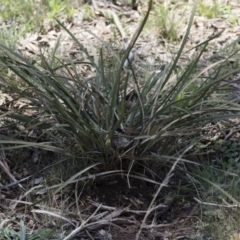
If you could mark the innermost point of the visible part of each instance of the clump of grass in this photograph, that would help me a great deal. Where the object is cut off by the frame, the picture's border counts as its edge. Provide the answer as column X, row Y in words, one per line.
column 219, row 194
column 7, row 232
column 32, row 14
column 88, row 12
column 166, row 22
column 208, row 11
column 217, row 10
column 9, row 36
column 112, row 118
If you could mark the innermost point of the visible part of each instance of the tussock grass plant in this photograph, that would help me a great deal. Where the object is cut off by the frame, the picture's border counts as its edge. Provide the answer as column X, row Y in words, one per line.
column 166, row 22
column 8, row 37
column 31, row 15
column 218, row 194
column 111, row 118
column 216, row 9
column 7, row 232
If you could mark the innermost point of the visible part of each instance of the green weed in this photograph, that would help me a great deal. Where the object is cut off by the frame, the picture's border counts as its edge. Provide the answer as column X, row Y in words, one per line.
column 166, row 23
column 32, row 14
column 214, row 10
column 88, row 12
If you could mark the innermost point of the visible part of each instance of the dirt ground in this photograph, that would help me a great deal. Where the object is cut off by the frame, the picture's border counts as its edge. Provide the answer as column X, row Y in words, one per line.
column 102, row 27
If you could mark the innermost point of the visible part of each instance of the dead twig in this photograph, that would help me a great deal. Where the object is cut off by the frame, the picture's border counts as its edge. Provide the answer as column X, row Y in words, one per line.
column 129, row 210
column 227, row 205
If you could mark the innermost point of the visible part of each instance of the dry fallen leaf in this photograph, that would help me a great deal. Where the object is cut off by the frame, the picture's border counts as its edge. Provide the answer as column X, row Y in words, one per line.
column 235, row 236
column 120, row 142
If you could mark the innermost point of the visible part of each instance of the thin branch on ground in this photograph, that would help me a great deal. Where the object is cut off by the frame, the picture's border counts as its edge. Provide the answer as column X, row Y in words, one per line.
column 227, row 205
